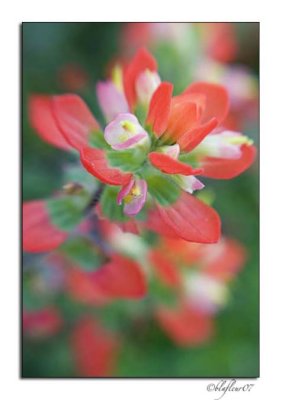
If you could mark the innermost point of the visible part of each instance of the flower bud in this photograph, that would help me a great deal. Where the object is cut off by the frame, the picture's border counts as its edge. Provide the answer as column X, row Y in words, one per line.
column 146, row 83
column 125, row 132
column 134, row 196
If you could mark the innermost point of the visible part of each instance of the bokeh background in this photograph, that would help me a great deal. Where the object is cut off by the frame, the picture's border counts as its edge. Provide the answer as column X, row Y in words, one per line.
column 50, row 54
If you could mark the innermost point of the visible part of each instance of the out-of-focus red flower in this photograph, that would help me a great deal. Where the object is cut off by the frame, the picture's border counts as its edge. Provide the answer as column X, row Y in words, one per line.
column 94, row 349
column 81, row 287
column 184, row 325
column 42, row 323
column 135, row 35
column 120, row 278
column 222, row 260
column 73, row 77
column 219, row 40
column 39, row 233
column 165, row 269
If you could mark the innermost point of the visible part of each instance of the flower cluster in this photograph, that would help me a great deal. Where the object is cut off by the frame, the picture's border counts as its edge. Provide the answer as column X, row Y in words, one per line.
column 189, row 285
column 155, row 146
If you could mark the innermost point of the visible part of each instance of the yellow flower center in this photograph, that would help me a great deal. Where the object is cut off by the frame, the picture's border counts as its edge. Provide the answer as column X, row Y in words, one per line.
column 240, row 140
column 134, row 192
column 117, row 77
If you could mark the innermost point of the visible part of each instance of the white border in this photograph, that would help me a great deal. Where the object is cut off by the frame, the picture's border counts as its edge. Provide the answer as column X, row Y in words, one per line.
column 271, row 156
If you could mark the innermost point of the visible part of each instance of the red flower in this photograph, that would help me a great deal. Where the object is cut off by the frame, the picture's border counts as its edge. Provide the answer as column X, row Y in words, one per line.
column 42, row 323
column 120, row 278
column 94, row 349
column 142, row 61
column 164, row 269
column 181, row 136
column 186, row 120
column 220, row 40
column 185, row 325
column 221, row 261
column 66, row 122
column 39, row 233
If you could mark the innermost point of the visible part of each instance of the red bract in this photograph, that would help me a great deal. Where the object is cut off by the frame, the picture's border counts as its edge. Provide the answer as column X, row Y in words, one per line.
column 41, row 323
column 184, row 325
column 39, row 233
column 42, row 120
column 223, row 260
column 192, row 220
column 66, row 122
column 142, row 61
column 222, row 168
column 169, row 165
column 74, row 119
column 95, row 162
column 94, row 349
column 164, row 268
column 120, row 278
column 160, row 108
column 81, row 287
column 190, row 117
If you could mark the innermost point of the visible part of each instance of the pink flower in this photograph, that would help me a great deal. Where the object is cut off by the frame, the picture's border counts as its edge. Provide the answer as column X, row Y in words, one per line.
column 125, row 132
column 134, row 196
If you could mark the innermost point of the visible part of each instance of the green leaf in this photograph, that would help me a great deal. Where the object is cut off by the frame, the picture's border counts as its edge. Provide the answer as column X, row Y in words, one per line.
column 161, row 187
column 82, row 251
column 127, row 160
column 162, row 293
column 188, row 158
column 109, row 205
column 67, row 212
column 74, row 173
column 141, row 112
column 97, row 140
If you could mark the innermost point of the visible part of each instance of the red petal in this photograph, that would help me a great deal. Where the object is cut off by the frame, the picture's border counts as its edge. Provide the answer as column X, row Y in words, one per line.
column 192, row 220
column 169, row 165
column 95, row 162
column 121, row 278
column 225, row 263
column 183, row 117
column 185, row 326
column 156, row 224
column 81, row 287
column 143, row 60
column 94, row 349
column 159, row 108
column 74, row 119
column 222, row 168
column 42, row 120
column 192, row 138
column 165, row 269
column 217, row 101
column 39, row 234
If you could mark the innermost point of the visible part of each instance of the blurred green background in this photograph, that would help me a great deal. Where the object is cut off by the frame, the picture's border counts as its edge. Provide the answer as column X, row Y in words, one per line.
column 47, row 47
